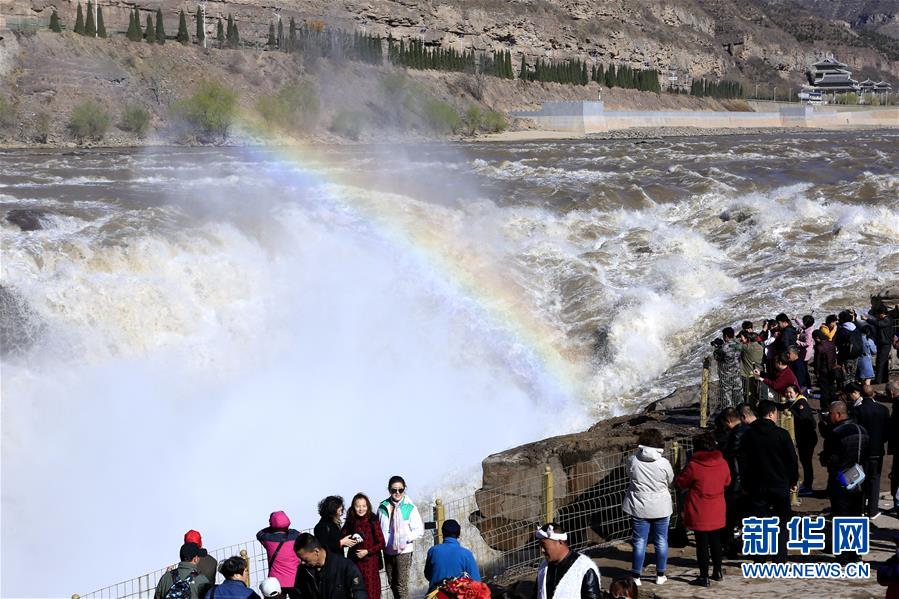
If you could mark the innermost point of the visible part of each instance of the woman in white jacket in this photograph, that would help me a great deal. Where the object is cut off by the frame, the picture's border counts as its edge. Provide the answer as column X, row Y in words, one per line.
column 648, row 501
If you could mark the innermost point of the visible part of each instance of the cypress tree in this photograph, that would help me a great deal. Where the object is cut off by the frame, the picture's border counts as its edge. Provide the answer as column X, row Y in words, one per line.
column 79, row 21
column 271, row 36
column 230, row 34
column 101, row 26
column 90, row 27
column 236, row 41
column 160, row 27
column 280, row 34
column 183, row 36
column 54, row 22
column 220, row 33
column 150, row 33
column 137, row 33
column 201, row 29
column 130, row 34
column 292, row 36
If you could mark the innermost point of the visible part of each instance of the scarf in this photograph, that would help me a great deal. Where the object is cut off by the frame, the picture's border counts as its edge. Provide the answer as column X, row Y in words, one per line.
column 397, row 531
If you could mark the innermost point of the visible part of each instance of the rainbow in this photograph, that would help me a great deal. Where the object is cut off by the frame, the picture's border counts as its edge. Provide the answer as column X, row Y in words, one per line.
column 494, row 296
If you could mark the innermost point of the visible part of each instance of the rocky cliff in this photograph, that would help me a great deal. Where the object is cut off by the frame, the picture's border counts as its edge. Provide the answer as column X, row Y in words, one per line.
column 746, row 39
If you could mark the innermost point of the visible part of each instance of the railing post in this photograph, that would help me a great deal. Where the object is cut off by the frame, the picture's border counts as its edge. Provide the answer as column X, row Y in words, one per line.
column 675, row 454
column 246, row 559
column 548, row 499
column 704, row 394
column 788, row 424
column 439, row 518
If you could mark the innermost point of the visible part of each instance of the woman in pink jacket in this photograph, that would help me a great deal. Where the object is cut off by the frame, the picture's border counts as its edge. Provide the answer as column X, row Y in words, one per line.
column 278, row 541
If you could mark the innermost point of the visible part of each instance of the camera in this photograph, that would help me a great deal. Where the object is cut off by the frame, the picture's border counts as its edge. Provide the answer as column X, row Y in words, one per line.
column 717, row 343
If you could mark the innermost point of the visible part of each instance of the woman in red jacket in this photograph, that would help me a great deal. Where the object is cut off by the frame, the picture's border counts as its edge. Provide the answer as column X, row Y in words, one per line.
column 705, row 478
column 366, row 554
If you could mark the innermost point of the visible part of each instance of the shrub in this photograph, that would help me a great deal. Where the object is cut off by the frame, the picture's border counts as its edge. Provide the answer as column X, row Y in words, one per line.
column 89, row 120
column 394, row 84
column 472, row 119
column 440, row 116
column 42, row 127
column 348, row 124
column 210, row 110
column 494, row 122
column 294, row 105
column 7, row 113
column 135, row 119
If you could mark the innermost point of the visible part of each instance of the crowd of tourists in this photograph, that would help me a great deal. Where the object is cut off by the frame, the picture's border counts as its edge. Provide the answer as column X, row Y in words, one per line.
column 845, row 349
column 748, row 467
column 341, row 559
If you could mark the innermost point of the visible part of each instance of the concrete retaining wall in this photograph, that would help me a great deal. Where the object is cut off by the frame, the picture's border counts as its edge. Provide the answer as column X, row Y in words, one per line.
column 591, row 117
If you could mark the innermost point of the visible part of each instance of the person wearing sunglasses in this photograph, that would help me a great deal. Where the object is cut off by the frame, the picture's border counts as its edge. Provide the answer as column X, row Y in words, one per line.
column 402, row 526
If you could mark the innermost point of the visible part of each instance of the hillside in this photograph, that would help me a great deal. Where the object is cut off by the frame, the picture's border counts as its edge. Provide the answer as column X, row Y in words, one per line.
column 46, row 75
column 764, row 44
column 751, row 39
column 881, row 16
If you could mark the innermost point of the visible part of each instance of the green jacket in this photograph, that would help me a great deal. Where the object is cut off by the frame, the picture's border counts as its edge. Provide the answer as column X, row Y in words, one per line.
column 751, row 357
column 198, row 586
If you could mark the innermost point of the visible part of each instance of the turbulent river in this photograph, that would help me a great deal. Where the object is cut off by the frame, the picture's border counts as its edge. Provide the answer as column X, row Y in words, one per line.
column 194, row 338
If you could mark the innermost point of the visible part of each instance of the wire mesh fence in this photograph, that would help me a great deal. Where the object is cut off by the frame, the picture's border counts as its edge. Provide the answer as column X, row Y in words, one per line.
column 498, row 524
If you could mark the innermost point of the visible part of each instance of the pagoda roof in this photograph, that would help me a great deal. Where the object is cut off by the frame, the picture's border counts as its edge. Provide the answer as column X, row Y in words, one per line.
column 883, row 85
column 830, row 61
column 834, row 78
column 867, row 82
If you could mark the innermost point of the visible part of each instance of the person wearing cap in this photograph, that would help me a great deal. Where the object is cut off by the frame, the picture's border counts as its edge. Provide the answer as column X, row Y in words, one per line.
column 270, row 588
column 450, row 559
column 325, row 575
column 207, row 565
column 564, row 574
column 185, row 570
column 234, row 570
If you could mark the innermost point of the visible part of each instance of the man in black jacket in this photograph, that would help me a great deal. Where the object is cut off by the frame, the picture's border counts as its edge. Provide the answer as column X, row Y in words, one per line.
column 733, row 494
column 324, row 575
column 769, row 470
column 845, row 444
column 875, row 419
column 892, row 390
column 882, row 328
column 787, row 334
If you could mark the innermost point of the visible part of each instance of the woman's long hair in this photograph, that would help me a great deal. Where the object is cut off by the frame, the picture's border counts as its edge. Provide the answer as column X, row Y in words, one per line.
column 352, row 517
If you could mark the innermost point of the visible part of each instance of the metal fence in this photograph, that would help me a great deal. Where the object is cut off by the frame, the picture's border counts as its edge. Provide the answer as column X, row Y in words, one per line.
column 498, row 524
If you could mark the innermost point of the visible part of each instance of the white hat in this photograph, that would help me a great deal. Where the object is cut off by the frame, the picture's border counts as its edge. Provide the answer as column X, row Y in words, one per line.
column 270, row 587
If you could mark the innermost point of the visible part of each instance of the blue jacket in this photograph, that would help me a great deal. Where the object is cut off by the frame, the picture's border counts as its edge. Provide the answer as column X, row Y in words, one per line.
column 449, row 560
column 232, row 589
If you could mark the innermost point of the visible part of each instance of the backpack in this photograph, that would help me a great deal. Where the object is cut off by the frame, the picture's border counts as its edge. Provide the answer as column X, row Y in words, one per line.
column 180, row 588
column 855, row 344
